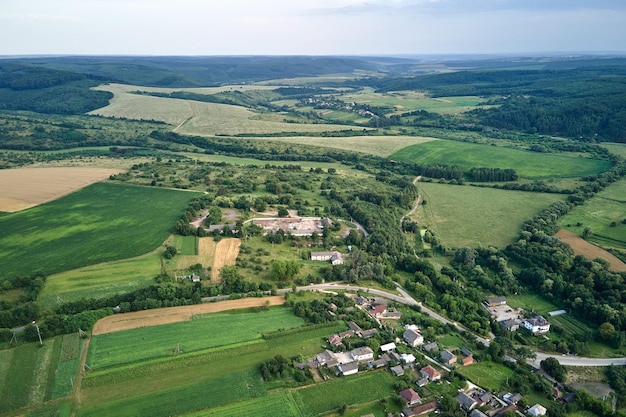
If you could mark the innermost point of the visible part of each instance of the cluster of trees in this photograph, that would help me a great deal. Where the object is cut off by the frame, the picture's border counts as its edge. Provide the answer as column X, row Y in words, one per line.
column 282, row 368
column 492, row 174
column 281, row 270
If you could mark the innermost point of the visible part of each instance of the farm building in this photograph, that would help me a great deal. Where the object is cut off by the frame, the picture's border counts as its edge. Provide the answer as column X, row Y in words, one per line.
column 397, row 370
column 295, row 226
column 495, row 301
column 537, row 325
column 510, row 325
column 335, row 258
column 466, row 402
column 387, row 347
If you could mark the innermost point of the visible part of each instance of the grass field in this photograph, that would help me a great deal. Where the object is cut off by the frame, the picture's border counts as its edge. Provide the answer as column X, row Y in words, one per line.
column 374, row 145
column 616, row 148
column 472, row 216
column 528, row 165
column 27, row 187
column 141, row 344
column 280, row 404
column 102, row 222
column 198, row 118
column 571, row 325
column 489, row 375
column 101, row 280
column 598, row 213
column 355, row 389
column 408, row 101
column 531, row 301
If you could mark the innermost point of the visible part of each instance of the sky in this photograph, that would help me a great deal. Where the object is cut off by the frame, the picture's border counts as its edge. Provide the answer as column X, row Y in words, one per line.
column 310, row 27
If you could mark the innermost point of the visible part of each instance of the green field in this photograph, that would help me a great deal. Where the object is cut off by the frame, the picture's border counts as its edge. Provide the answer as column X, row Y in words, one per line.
column 355, row 389
column 530, row 165
column 281, row 404
column 101, row 280
column 489, row 375
column 598, row 213
column 616, row 148
column 186, row 245
column 210, row 331
column 531, row 301
column 473, row 216
column 102, row 222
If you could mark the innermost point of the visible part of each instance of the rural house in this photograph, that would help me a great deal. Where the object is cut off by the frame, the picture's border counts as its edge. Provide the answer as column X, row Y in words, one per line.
column 335, row 258
column 387, row 347
column 496, row 301
column 447, row 357
column 378, row 310
column 349, row 368
column 431, row 373
column 537, row 410
column 397, row 370
column 466, row 402
column 362, row 354
column 510, row 325
column 431, row 347
column 410, row 396
column 413, row 338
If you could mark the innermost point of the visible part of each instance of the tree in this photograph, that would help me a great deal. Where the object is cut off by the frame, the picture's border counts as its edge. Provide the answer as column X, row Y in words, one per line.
column 553, row 367
column 283, row 212
column 606, row 331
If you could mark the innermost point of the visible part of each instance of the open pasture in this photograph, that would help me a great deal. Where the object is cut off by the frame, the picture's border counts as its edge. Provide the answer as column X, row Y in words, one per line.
column 532, row 302
column 278, row 404
column 598, row 213
column 198, row 118
column 22, row 188
column 489, row 375
column 102, row 222
column 226, row 253
column 216, row 330
column 374, row 145
column 408, row 101
column 473, row 216
column 530, row 165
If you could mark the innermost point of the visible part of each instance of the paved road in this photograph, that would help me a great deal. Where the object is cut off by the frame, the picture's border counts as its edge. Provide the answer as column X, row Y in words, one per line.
column 569, row 360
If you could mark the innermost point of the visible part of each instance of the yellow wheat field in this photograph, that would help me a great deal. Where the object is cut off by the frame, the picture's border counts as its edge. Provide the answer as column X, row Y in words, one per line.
column 226, row 253
column 22, row 188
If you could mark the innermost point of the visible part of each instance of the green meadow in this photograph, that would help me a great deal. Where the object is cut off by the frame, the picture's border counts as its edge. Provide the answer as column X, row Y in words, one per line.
column 604, row 214
column 474, row 216
column 489, row 375
column 103, row 222
column 530, row 165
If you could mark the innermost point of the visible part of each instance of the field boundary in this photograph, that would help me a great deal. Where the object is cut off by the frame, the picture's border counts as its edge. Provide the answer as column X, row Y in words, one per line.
column 155, row 317
column 590, row 251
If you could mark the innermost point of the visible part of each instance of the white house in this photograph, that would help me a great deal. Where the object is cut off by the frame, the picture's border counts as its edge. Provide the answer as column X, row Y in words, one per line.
column 408, row 358
column 350, row 368
column 537, row 325
column 335, row 258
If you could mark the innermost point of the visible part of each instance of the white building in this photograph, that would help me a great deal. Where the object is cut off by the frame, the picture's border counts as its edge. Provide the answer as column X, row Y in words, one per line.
column 537, row 325
column 387, row 347
column 537, row 410
column 413, row 337
column 362, row 354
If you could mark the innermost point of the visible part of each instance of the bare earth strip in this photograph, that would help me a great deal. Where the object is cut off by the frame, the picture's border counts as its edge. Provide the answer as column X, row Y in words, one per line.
column 136, row 319
column 225, row 254
column 588, row 250
column 22, row 188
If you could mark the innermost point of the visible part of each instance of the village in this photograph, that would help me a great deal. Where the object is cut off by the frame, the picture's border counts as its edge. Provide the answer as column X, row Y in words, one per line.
column 422, row 362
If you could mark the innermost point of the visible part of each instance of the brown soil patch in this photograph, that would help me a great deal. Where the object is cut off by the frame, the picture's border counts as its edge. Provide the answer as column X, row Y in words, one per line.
column 589, row 250
column 23, row 188
column 136, row 319
column 225, row 254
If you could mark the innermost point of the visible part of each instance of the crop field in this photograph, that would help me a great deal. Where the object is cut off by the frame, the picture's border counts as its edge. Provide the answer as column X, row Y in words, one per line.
column 408, row 101
column 471, row 216
column 27, row 187
column 616, row 148
column 530, row 165
column 100, row 280
column 205, row 255
column 374, row 145
column 226, row 253
column 590, row 251
column 599, row 213
column 216, row 330
column 571, row 325
column 280, row 404
column 198, row 118
column 489, row 375
column 102, row 222
column 186, row 245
